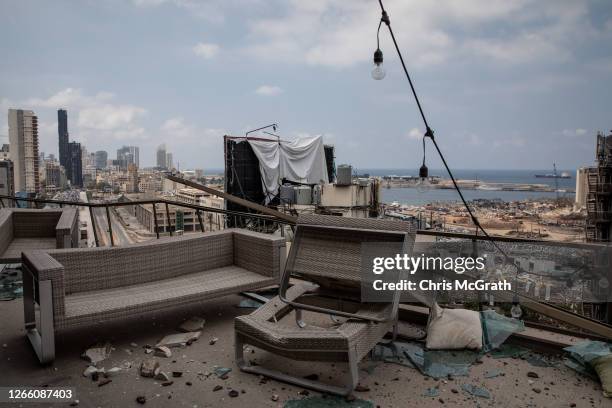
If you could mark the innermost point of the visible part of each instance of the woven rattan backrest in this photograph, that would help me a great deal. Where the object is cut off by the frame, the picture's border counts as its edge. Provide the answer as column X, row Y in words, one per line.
column 328, row 249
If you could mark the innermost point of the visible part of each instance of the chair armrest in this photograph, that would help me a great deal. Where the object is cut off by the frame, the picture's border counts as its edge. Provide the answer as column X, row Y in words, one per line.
column 258, row 252
column 6, row 229
column 67, row 229
column 40, row 266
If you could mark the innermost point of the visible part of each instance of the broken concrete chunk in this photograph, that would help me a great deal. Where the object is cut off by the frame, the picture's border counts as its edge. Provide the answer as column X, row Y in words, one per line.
column 179, row 339
column 161, row 376
column 163, row 351
column 104, row 382
column 194, row 324
column 97, row 353
column 91, row 370
column 112, row 371
column 148, row 367
column 213, row 341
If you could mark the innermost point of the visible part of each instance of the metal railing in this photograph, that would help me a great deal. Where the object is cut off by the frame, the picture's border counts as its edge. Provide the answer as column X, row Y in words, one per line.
column 253, row 221
column 269, row 223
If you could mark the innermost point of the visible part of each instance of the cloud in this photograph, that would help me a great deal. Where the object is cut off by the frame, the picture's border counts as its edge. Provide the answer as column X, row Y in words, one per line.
column 206, row 50
column 327, row 33
column 98, row 117
column 574, row 132
column 269, row 90
column 108, row 117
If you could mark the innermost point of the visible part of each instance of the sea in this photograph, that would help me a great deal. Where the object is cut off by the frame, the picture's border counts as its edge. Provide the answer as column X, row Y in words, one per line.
column 412, row 196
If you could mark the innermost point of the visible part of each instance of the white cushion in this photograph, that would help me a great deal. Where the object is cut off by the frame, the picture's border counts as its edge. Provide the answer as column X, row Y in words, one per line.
column 454, row 329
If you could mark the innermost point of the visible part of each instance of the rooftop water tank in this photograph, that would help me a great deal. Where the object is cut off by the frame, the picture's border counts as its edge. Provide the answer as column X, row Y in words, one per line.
column 344, row 175
column 287, row 194
column 303, row 195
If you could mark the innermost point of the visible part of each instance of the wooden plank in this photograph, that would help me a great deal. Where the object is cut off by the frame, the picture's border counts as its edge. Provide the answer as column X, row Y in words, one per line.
column 230, row 197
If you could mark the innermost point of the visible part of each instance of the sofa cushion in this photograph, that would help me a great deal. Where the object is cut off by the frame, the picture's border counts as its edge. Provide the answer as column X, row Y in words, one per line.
column 128, row 301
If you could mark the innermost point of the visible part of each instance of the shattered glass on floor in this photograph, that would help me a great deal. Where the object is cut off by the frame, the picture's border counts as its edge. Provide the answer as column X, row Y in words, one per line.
column 328, row 402
column 11, row 284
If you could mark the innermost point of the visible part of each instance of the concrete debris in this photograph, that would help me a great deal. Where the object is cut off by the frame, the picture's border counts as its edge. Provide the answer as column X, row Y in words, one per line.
column 213, row 341
column 193, row 324
column 149, row 367
column 274, row 397
column 217, row 388
column 163, row 351
column 133, row 345
column 97, row 353
column 112, row 372
column 532, row 374
column 167, row 383
column 141, row 399
column 177, row 374
column 161, row 376
column 179, row 339
column 233, row 393
column 91, row 370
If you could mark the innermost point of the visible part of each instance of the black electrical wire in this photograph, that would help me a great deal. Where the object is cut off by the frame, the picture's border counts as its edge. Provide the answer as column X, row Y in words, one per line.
column 429, row 133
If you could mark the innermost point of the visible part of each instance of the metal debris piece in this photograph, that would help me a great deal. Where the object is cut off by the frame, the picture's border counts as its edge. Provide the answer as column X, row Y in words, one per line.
column 476, row 391
column 97, row 353
column 193, row 324
column 148, row 368
column 179, row 339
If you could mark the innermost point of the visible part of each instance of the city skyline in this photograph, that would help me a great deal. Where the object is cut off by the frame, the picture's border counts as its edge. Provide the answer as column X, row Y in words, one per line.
column 518, row 85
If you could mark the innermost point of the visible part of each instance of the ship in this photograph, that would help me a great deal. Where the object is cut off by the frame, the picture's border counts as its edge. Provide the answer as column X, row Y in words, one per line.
column 554, row 175
column 564, row 175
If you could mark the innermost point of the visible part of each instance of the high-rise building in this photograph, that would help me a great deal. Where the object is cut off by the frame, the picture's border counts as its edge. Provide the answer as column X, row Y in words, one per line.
column 128, row 155
column 74, row 169
column 52, row 175
column 6, row 181
column 4, row 152
column 169, row 161
column 23, row 140
column 101, row 159
column 598, row 197
column 161, row 157
column 62, row 131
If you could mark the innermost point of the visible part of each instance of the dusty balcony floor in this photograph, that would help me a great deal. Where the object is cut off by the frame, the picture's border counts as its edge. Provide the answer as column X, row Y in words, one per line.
column 390, row 385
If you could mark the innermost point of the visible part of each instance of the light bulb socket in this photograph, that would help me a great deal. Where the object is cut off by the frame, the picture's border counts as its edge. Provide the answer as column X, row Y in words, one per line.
column 378, row 57
column 423, row 171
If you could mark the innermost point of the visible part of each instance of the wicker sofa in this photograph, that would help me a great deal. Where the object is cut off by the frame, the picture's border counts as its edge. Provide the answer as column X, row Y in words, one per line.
column 79, row 287
column 25, row 229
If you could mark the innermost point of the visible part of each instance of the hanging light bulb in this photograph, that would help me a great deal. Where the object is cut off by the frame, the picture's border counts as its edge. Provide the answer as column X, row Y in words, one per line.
column 378, row 72
column 516, row 311
column 423, row 183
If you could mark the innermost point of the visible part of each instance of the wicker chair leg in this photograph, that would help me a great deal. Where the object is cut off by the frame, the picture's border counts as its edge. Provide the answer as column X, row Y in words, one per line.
column 302, row 382
column 43, row 340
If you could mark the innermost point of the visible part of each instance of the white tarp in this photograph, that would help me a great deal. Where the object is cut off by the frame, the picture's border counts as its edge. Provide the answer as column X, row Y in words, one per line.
column 301, row 161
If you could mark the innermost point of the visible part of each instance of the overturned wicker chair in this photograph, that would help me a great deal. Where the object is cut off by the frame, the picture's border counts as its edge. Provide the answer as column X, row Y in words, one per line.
column 327, row 254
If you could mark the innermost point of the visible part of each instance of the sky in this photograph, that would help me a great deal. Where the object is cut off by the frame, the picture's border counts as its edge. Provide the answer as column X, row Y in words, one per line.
column 504, row 84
